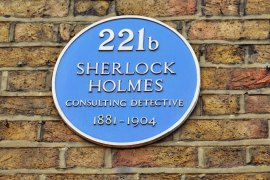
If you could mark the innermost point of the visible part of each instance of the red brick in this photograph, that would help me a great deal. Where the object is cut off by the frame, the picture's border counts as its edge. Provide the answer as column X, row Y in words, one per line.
column 219, row 130
column 27, row 106
column 257, row 7
column 229, row 30
column 260, row 155
column 221, row 7
column 34, row 32
column 34, row 8
column 156, row 8
column 29, row 56
column 220, row 104
column 225, row 54
column 219, row 78
column 85, row 157
column 257, row 104
column 27, row 81
column 156, row 157
column 18, row 130
column 260, row 54
column 58, row 132
column 249, row 79
column 28, row 158
column 224, row 157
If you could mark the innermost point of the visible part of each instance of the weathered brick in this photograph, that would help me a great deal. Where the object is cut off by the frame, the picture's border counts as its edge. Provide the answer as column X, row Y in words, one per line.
column 257, row 7
column 86, row 7
column 27, row 106
column 58, row 131
column 27, row 81
column 27, row 158
column 213, row 78
column 29, row 56
column 218, row 130
column 90, row 176
column 68, row 31
column 85, row 157
column 4, row 31
column 258, row 176
column 34, row 32
column 225, row 54
column 229, row 30
column 260, row 54
column 172, row 24
column 221, row 7
column 34, row 8
column 160, row 176
column 257, row 104
column 18, row 130
column 249, row 79
column 260, row 155
column 224, row 157
column 19, row 177
column 156, row 157
column 220, row 104
column 156, row 8
column 196, row 49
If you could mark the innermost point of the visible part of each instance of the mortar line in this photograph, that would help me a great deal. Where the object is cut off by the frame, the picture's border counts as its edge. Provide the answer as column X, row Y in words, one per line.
column 42, row 177
column 191, row 41
column 48, row 93
column 194, row 117
column 137, row 176
column 32, row 44
column 194, row 143
column 40, row 131
column 130, row 170
column 55, row 33
column 247, row 56
column 4, row 81
column 71, row 8
column 176, row 135
column 11, row 37
column 202, row 65
column 62, row 158
column 242, row 8
column 184, row 29
column 201, row 157
column 25, row 68
column 97, row 18
column 242, row 104
column 248, row 155
column 108, row 158
column 199, row 8
column 29, row 94
column 241, row 66
column 202, row 55
column 183, row 177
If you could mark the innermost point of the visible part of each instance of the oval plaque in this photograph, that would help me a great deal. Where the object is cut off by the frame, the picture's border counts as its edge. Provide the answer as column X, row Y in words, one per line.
column 126, row 81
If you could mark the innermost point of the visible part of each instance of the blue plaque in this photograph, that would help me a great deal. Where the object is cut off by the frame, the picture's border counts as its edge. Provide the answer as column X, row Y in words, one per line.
column 126, row 81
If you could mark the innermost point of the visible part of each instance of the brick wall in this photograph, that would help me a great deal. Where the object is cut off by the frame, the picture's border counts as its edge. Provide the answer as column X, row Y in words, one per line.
column 226, row 137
